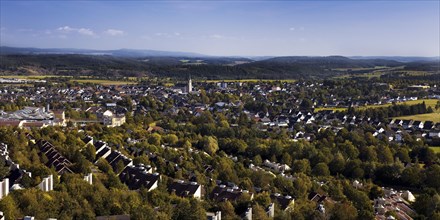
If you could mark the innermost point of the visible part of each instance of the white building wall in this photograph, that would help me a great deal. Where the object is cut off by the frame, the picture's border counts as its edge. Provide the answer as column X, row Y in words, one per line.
column 4, row 188
column 198, row 193
column 47, row 184
column 89, row 178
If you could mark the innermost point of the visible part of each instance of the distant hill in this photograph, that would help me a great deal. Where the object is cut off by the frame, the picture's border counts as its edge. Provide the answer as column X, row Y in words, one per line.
column 111, row 66
column 330, row 62
column 423, row 66
column 102, row 64
column 119, row 53
column 311, row 67
column 397, row 58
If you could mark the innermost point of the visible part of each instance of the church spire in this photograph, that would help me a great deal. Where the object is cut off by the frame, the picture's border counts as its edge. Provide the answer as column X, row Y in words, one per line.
column 190, row 88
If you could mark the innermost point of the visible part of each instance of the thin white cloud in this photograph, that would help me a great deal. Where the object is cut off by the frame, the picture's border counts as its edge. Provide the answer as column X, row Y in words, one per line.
column 168, row 35
column 222, row 37
column 82, row 31
column 66, row 29
column 114, row 32
column 292, row 29
column 217, row 36
column 86, row 31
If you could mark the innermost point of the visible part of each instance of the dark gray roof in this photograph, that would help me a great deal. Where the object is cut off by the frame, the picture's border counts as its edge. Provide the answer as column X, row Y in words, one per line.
column 136, row 177
column 102, row 152
column 283, row 201
column 183, row 189
column 223, row 193
column 55, row 159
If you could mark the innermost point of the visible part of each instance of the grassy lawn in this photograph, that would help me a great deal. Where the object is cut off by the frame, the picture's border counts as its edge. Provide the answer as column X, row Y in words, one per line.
column 330, row 108
column 17, row 85
column 103, row 81
column 250, row 80
column 435, row 149
column 418, row 73
column 169, row 84
column 362, row 68
column 30, row 76
column 435, row 117
column 428, row 102
column 83, row 79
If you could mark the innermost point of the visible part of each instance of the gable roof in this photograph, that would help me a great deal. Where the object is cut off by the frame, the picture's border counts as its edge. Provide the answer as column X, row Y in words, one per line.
column 184, row 189
column 55, row 159
column 283, row 201
column 136, row 177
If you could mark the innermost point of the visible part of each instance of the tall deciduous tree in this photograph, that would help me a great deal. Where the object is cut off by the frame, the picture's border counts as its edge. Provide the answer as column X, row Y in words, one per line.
column 210, row 145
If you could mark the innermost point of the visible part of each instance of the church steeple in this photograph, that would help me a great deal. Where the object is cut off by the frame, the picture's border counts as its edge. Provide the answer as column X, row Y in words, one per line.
column 190, row 88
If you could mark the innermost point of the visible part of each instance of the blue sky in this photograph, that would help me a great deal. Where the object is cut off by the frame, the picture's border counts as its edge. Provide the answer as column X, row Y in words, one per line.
column 246, row 28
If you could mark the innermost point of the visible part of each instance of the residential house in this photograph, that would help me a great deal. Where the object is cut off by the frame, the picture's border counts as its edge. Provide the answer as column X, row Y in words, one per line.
column 223, row 193
column 214, row 215
column 111, row 120
column 417, row 124
column 247, row 215
column 118, row 161
column 55, row 159
column 316, row 197
column 89, row 178
column 47, row 184
column 434, row 134
column 286, row 203
column 407, row 124
column 88, row 140
column 4, row 187
column 393, row 201
column 276, row 166
column 186, row 189
column 139, row 176
column 428, row 125
column 270, row 210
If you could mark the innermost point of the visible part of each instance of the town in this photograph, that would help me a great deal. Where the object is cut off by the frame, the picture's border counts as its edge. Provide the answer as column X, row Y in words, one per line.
column 219, row 110
column 219, row 149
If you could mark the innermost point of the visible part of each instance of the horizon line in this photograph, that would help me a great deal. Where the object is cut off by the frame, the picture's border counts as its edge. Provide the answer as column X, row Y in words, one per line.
column 209, row 55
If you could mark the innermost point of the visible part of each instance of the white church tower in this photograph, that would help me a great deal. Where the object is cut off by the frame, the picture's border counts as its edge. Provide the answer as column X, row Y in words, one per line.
column 190, row 87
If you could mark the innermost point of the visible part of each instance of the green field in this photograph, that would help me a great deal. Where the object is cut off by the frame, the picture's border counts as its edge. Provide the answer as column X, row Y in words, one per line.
column 435, row 149
column 249, row 80
column 369, row 75
column 435, row 117
column 329, row 108
column 103, row 81
column 379, row 71
column 362, row 68
column 17, row 85
column 30, row 76
column 429, row 103
column 82, row 79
